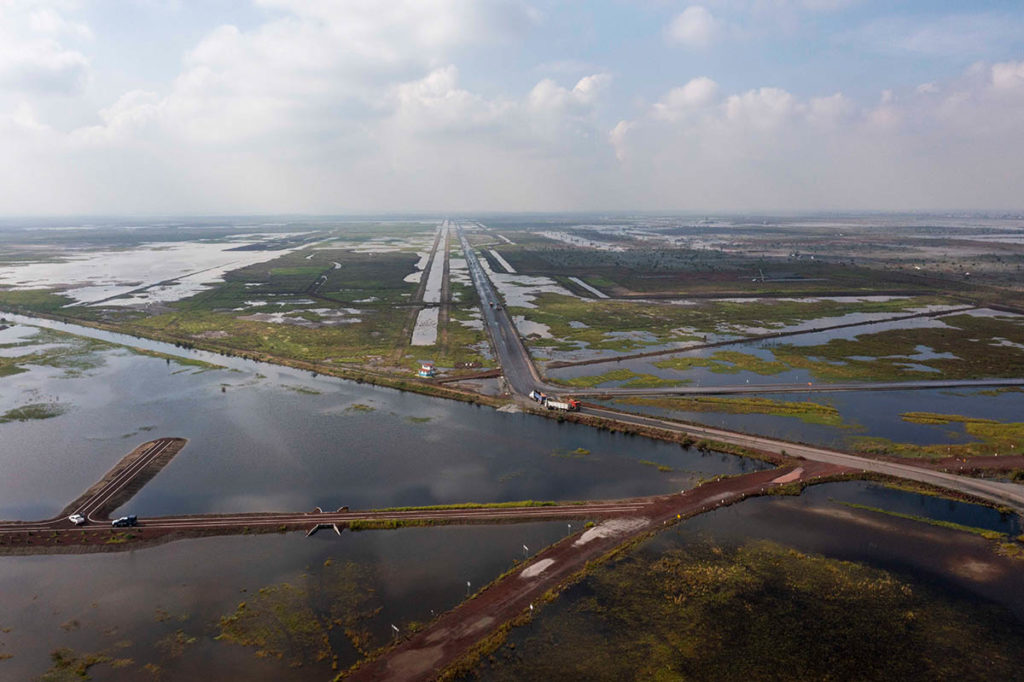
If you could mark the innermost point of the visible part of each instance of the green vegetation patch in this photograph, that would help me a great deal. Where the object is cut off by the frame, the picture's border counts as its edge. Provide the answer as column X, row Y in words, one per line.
column 711, row 612
column 612, row 324
column 983, row 532
column 885, row 356
column 632, row 379
column 459, row 345
column 806, row 411
column 660, row 467
column 73, row 354
column 727, row 362
column 372, row 338
column 994, row 437
column 293, row 622
column 69, row 665
column 176, row 359
column 305, row 390
column 42, row 300
column 33, row 411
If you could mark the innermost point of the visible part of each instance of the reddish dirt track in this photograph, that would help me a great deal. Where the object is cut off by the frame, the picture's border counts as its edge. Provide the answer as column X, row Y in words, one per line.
column 428, row 653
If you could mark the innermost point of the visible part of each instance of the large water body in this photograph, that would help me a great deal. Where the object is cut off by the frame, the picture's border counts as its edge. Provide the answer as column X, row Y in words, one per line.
column 132, row 604
column 265, row 438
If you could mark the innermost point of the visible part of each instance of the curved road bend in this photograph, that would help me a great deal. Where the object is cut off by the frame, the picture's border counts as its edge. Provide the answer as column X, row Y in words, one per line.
column 92, row 507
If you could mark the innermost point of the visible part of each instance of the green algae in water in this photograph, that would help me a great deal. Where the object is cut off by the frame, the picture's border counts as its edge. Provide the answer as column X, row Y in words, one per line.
column 756, row 611
column 296, row 622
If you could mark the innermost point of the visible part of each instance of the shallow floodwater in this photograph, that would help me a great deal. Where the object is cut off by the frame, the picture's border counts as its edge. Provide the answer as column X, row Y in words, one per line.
column 180, row 269
column 288, row 440
column 132, row 605
column 950, row 564
column 866, row 413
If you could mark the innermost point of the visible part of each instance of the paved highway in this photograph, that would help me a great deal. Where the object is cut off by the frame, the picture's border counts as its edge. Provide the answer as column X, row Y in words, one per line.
column 792, row 388
column 515, row 361
column 1006, row 494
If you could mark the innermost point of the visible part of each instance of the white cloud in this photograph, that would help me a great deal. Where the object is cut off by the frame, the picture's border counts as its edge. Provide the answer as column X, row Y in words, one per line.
column 1008, row 76
column 954, row 144
column 617, row 138
column 435, row 103
column 831, row 111
column 761, row 109
column 547, row 95
column 694, row 27
column 38, row 51
column 698, row 92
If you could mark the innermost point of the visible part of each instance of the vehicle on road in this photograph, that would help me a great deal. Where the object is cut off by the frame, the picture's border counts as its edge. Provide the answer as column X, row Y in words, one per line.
column 125, row 521
column 554, row 403
column 76, row 519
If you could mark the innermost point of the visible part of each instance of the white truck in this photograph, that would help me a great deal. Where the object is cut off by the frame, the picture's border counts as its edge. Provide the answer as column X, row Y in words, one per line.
column 554, row 403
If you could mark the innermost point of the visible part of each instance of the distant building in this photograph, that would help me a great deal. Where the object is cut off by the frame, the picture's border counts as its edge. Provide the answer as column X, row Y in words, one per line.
column 427, row 369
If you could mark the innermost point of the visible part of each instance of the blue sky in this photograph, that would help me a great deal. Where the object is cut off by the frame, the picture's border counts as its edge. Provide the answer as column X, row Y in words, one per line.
column 313, row 106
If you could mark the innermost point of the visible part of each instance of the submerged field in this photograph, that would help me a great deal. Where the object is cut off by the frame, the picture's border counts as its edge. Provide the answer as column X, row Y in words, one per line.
column 342, row 296
column 981, row 344
column 762, row 590
column 623, row 326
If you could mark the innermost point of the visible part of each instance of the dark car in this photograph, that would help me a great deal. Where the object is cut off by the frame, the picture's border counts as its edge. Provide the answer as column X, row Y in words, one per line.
column 125, row 521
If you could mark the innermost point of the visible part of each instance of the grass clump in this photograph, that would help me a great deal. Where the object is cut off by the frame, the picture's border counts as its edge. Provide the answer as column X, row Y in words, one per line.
column 806, row 411
column 633, row 379
column 993, row 437
column 294, row 622
column 33, row 411
column 659, row 467
column 727, row 362
column 983, row 532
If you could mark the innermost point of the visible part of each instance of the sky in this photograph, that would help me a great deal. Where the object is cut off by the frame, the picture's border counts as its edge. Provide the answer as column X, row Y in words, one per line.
column 330, row 107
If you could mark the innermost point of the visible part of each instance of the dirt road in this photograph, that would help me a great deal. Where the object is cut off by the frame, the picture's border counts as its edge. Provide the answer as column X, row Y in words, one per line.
column 429, row 652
